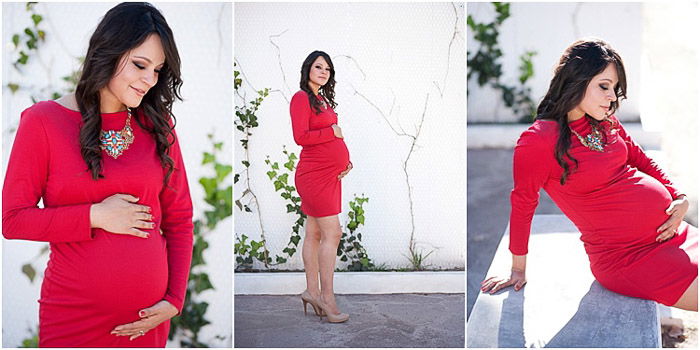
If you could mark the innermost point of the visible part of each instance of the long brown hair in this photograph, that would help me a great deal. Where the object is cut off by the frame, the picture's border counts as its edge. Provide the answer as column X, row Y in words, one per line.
column 123, row 28
column 580, row 62
column 326, row 91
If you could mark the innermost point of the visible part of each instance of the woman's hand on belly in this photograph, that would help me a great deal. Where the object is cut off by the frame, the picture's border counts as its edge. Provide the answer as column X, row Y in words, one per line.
column 150, row 318
column 677, row 211
column 337, row 131
column 345, row 172
column 120, row 214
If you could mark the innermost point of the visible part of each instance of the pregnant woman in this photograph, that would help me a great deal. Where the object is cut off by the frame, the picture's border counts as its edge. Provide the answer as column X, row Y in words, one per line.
column 629, row 213
column 116, row 206
column 323, row 162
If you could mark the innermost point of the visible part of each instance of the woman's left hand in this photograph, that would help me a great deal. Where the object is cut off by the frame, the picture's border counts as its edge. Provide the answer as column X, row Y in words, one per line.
column 345, row 172
column 677, row 211
column 150, row 318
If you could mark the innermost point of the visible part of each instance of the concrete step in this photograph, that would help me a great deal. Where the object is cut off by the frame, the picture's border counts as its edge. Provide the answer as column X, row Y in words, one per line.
column 562, row 305
column 377, row 282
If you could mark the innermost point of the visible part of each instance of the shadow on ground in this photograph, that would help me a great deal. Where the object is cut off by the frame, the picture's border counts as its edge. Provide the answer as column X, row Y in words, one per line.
column 377, row 321
column 489, row 181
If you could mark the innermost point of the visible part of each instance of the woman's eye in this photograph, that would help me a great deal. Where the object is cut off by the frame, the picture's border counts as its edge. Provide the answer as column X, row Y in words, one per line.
column 603, row 87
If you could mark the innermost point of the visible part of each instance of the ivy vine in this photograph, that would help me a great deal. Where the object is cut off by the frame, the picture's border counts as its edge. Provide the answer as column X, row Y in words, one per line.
column 219, row 197
column 485, row 66
column 350, row 249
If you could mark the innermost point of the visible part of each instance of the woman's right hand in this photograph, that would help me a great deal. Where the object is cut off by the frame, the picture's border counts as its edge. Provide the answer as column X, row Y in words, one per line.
column 120, row 214
column 337, row 131
column 494, row 284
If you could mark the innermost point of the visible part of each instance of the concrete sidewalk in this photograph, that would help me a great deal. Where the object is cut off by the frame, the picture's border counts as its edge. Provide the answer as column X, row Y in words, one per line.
column 385, row 320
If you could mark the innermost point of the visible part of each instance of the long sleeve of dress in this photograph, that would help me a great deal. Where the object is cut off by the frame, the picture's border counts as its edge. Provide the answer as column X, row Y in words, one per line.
column 300, row 110
column 530, row 172
column 24, row 186
column 638, row 159
column 177, row 226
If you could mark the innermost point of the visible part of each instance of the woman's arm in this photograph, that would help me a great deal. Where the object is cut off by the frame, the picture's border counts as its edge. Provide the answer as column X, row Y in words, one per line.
column 177, row 227
column 300, row 111
column 638, row 159
column 531, row 168
column 24, row 186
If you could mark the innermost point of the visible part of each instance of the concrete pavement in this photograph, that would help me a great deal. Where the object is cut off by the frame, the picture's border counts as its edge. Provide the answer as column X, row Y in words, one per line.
column 385, row 320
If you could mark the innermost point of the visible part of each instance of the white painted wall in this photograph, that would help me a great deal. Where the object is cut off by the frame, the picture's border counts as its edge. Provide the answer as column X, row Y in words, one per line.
column 395, row 55
column 203, row 34
column 548, row 28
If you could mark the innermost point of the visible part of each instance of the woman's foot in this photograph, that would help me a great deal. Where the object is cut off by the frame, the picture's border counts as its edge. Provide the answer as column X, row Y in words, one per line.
column 330, row 309
column 308, row 297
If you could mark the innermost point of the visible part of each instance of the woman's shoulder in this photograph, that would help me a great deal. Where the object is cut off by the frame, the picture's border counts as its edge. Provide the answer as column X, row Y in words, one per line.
column 47, row 110
column 300, row 94
column 541, row 132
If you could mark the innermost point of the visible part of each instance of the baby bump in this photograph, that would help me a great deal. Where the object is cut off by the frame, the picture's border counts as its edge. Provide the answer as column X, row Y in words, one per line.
column 324, row 159
column 634, row 208
column 110, row 271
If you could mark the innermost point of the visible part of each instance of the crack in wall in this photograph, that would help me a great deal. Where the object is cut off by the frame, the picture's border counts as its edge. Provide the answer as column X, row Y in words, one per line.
column 279, row 61
column 455, row 34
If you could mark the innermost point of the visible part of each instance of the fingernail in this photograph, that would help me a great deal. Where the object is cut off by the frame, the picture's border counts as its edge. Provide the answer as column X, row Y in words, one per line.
column 142, row 313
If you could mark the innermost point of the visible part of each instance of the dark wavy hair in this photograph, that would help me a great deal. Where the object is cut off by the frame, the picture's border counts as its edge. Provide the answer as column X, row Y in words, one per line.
column 580, row 62
column 123, row 28
column 326, row 91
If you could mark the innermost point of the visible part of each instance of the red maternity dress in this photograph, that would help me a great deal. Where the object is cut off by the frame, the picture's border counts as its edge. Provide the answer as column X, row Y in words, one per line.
column 617, row 199
column 323, row 157
column 96, row 280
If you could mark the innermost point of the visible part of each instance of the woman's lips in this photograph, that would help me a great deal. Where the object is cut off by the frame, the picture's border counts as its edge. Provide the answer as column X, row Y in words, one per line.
column 138, row 91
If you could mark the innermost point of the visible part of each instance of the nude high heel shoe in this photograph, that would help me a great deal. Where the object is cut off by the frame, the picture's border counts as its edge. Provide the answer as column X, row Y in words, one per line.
column 332, row 318
column 306, row 298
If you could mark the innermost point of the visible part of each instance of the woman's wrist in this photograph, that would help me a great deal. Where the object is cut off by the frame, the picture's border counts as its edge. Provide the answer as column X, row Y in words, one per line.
column 94, row 215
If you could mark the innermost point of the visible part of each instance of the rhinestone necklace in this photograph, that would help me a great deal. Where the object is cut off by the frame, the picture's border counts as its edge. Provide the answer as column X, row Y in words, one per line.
column 593, row 141
column 115, row 142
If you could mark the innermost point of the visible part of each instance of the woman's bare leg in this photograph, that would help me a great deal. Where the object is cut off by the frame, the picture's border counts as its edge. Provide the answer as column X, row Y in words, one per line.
column 309, row 254
column 689, row 299
column 330, row 237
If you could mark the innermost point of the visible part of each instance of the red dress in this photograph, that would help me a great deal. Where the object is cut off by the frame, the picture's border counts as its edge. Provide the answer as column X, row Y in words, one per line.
column 96, row 280
column 323, row 157
column 617, row 199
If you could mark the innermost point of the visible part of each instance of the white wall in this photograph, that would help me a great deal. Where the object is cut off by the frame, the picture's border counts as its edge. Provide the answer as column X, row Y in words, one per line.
column 548, row 28
column 395, row 55
column 203, row 34
column 670, row 78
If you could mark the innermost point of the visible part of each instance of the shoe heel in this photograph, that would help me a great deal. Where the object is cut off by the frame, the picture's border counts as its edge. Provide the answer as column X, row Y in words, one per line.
column 305, row 302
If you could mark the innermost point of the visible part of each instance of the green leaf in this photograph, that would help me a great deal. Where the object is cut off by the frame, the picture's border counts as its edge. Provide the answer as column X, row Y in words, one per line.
column 15, row 40
column 36, row 19
column 271, row 174
column 245, row 163
column 22, row 58
column 208, row 158
column 28, row 270
column 278, row 185
column 295, row 239
column 201, row 282
column 13, row 87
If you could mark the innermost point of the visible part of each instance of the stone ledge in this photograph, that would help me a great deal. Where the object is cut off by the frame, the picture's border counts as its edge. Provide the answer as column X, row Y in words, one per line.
column 562, row 305
column 285, row 283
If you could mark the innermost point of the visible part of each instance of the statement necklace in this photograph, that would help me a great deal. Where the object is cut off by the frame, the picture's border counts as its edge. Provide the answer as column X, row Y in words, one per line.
column 593, row 141
column 115, row 142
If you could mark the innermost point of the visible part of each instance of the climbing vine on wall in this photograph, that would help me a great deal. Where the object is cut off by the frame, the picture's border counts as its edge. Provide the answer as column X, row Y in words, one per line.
column 484, row 64
column 218, row 196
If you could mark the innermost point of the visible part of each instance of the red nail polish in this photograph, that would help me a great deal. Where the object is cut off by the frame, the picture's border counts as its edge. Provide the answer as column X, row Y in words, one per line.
column 142, row 314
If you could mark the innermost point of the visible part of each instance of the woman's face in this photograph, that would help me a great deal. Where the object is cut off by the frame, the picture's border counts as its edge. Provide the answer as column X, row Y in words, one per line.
column 600, row 93
column 137, row 72
column 319, row 73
